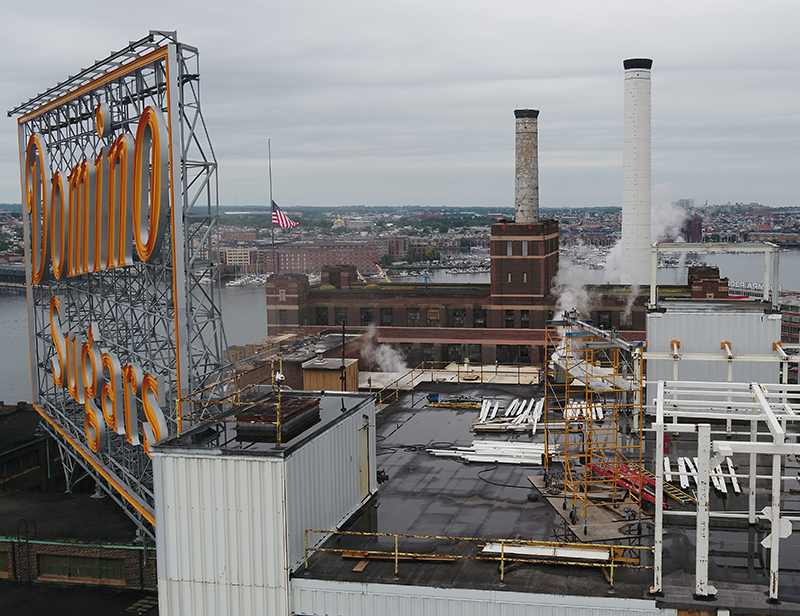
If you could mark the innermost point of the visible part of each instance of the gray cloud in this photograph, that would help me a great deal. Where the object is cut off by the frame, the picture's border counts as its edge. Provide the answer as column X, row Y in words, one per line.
column 391, row 103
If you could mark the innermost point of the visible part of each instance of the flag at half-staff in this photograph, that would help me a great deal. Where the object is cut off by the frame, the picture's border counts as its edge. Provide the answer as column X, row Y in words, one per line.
column 281, row 219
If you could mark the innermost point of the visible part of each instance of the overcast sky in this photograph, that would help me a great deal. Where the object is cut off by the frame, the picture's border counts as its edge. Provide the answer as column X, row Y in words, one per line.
column 393, row 103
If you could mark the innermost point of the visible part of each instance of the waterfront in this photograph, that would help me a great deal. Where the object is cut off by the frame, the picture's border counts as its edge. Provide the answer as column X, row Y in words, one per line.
column 244, row 310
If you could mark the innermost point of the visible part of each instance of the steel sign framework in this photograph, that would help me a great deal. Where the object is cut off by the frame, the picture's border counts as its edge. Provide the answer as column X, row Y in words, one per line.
column 119, row 188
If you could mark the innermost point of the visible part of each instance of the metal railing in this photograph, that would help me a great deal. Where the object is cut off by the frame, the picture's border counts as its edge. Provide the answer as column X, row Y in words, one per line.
column 521, row 374
column 605, row 556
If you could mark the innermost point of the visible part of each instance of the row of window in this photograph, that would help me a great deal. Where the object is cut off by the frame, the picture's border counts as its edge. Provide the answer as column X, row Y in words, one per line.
column 523, row 246
column 109, row 570
column 430, row 317
column 84, row 569
column 504, row 353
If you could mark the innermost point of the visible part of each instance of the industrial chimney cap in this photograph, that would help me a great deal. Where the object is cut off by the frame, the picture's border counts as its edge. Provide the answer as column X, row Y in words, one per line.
column 526, row 113
column 640, row 63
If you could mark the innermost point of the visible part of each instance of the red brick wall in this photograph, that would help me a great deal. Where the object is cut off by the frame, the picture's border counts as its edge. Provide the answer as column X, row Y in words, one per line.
column 23, row 561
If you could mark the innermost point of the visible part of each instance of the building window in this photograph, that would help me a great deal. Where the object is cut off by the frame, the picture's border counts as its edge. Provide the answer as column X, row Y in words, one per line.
column 281, row 295
column 503, row 353
column 524, row 354
column 412, row 317
column 509, row 248
column 479, row 317
column 525, row 319
column 366, row 316
column 433, row 317
column 321, row 314
column 604, row 319
column 525, row 248
column 82, row 569
column 340, row 315
column 427, row 351
column 509, row 318
column 387, row 317
column 283, row 316
column 459, row 317
column 454, row 352
column 405, row 349
column 509, row 276
column 476, row 353
column 626, row 319
column 524, row 276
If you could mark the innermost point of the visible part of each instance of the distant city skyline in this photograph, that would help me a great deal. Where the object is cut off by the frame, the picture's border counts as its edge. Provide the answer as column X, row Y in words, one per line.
column 383, row 104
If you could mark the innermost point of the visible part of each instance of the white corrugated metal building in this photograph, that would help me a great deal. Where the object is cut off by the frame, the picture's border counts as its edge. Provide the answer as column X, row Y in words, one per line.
column 231, row 516
column 701, row 328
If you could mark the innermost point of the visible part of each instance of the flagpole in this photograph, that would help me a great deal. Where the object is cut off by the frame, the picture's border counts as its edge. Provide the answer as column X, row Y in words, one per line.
column 271, row 204
column 271, row 223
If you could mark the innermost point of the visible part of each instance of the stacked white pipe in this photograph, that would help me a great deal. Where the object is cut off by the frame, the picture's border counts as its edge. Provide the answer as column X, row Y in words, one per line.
column 521, row 415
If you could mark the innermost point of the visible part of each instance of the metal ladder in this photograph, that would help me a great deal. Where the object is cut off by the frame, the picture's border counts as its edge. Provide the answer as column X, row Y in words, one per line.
column 670, row 490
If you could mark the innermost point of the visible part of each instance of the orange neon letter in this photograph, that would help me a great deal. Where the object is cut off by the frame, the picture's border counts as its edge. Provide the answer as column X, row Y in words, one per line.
column 37, row 182
column 150, row 183
column 155, row 428
column 59, row 341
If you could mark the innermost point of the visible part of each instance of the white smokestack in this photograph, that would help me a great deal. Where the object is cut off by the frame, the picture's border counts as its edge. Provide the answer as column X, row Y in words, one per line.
column 635, row 265
column 526, row 197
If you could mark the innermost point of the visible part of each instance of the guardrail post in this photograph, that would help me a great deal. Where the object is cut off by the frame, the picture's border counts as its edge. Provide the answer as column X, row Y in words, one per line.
column 396, row 557
column 502, row 559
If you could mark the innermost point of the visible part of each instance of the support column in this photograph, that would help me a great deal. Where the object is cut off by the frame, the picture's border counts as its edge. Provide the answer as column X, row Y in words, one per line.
column 751, row 496
column 703, row 589
column 658, row 546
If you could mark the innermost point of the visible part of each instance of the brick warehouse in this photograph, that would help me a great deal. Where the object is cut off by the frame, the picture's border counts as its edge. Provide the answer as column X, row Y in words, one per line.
column 499, row 322
column 71, row 538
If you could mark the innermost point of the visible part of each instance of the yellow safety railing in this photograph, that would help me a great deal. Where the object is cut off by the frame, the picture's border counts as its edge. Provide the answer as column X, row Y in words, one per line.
column 618, row 556
column 459, row 372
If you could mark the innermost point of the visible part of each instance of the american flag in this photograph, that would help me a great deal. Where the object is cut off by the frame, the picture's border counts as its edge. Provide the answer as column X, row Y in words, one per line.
column 281, row 219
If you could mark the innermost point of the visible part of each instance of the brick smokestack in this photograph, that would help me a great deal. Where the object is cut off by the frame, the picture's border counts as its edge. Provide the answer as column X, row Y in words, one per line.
column 635, row 266
column 526, row 197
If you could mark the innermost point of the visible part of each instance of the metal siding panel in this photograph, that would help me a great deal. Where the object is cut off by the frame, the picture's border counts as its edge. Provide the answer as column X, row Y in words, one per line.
column 750, row 333
column 322, row 484
column 221, row 535
column 318, row 598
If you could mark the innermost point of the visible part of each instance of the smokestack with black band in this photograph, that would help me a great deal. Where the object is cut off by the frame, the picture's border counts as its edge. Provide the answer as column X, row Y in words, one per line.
column 526, row 198
column 636, row 173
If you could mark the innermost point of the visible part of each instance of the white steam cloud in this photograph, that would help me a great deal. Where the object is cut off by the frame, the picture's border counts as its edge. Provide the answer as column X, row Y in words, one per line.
column 571, row 284
column 381, row 356
column 666, row 222
column 666, row 218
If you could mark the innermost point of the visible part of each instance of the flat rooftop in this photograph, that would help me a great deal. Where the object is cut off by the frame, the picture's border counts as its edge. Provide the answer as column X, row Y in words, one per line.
column 449, row 499
column 234, row 432
column 55, row 515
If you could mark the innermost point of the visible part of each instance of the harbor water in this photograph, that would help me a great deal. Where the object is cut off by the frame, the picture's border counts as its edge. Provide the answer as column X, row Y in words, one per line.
column 244, row 310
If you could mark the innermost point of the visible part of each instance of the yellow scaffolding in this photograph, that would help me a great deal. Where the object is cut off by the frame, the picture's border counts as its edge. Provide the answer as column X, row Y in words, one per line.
column 593, row 419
